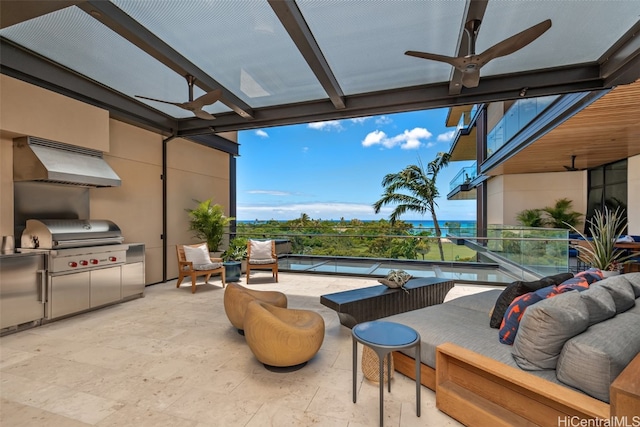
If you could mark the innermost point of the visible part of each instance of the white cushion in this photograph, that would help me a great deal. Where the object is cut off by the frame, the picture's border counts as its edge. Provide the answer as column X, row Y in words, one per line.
column 197, row 255
column 261, row 250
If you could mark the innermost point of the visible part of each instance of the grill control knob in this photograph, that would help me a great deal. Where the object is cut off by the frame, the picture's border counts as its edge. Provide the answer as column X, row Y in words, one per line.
column 84, row 262
column 94, row 261
column 112, row 259
column 73, row 264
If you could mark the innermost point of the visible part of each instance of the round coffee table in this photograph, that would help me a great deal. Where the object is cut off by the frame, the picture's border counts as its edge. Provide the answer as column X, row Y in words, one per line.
column 383, row 338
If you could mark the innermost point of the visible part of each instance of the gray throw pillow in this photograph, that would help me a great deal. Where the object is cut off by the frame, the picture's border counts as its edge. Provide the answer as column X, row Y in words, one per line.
column 545, row 327
column 592, row 360
column 621, row 291
column 634, row 280
column 599, row 303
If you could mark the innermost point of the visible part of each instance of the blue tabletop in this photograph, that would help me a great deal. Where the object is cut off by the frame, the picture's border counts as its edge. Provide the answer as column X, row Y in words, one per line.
column 385, row 333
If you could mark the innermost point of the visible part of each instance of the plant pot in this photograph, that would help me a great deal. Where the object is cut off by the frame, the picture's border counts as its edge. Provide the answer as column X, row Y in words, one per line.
column 232, row 271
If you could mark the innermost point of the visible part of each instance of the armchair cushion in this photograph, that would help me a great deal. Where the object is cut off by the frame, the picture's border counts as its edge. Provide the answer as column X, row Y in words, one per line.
column 198, row 255
column 208, row 266
column 261, row 252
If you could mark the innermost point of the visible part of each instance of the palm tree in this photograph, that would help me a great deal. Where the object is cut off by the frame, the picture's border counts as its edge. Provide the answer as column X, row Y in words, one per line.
column 413, row 189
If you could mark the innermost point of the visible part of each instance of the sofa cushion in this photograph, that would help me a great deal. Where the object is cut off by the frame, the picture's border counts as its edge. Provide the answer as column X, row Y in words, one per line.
column 634, row 280
column 599, row 303
column 518, row 288
column 481, row 301
column 511, row 321
column 546, row 326
column 621, row 291
column 592, row 360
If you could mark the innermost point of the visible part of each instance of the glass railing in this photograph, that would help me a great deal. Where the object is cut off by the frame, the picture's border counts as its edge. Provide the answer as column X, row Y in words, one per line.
column 542, row 250
column 538, row 251
column 521, row 113
column 464, row 176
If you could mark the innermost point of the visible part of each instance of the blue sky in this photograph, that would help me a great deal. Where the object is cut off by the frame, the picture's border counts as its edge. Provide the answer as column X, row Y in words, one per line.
column 334, row 169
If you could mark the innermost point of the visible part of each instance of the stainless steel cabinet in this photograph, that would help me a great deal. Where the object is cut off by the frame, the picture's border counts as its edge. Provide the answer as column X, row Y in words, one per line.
column 22, row 285
column 69, row 293
column 132, row 279
column 105, row 286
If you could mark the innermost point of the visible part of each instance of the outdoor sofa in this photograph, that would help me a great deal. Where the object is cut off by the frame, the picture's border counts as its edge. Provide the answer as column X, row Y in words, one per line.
column 582, row 344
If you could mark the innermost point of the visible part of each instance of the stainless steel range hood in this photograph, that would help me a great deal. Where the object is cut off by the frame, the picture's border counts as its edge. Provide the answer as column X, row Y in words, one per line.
column 37, row 159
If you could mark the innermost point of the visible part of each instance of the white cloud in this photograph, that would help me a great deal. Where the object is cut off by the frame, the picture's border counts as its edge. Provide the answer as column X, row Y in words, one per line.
column 383, row 120
column 359, row 120
column 328, row 210
column 328, row 125
column 373, row 138
column 262, row 134
column 408, row 140
column 447, row 136
column 269, row 192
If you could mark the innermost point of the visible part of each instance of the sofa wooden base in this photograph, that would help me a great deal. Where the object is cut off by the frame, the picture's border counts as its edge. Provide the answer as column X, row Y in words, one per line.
column 479, row 391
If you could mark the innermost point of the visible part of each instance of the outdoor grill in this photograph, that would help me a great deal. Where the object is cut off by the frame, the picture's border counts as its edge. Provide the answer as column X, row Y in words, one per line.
column 84, row 260
column 75, row 245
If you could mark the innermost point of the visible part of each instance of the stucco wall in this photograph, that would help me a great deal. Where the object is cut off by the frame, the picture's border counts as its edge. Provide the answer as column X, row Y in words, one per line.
column 509, row 194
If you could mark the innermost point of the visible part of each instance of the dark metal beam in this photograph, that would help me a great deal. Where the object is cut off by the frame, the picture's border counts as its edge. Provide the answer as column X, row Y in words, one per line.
column 621, row 63
column 475, row 10
column 30, row 67
column 15, row 11
column 121, row 23
column 217, row 142
column 491, row 89
column 293, row 21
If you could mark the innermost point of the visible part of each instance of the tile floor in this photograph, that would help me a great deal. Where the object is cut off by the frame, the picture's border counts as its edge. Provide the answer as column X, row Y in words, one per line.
column 173, row 359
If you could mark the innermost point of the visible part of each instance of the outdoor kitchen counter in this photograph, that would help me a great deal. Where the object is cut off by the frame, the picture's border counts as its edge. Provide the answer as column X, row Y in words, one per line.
column 19, row 254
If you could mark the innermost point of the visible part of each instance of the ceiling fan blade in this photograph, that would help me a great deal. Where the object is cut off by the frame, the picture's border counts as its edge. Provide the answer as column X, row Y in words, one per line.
column 177, row 104
column 514, row 43
column 471, row 78
column 201, row 114
column 456, row 62
column 206, row 99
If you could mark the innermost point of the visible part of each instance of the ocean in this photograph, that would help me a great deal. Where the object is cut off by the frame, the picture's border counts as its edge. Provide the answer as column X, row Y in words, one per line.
column 458, row 227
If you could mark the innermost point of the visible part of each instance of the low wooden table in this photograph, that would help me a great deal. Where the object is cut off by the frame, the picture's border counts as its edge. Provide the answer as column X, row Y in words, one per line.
column 375, row 302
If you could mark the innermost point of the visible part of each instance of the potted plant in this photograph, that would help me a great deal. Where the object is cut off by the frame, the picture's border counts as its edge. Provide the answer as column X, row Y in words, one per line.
column 208, row 221
column 234, row 256
column 606, row 227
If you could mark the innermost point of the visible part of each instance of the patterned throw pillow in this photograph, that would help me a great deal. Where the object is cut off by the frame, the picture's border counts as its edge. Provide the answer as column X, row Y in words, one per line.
column 511, row 321
column 581, row 281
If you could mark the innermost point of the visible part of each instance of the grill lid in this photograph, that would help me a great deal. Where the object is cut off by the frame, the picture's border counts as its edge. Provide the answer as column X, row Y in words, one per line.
column 69, row 233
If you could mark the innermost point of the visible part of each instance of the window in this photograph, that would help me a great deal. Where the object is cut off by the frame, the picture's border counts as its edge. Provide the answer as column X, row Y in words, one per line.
column 607, row 187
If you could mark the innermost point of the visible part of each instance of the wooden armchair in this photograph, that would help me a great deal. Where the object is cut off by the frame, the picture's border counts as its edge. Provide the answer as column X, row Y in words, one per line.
column 204, row 266
column 261, row 255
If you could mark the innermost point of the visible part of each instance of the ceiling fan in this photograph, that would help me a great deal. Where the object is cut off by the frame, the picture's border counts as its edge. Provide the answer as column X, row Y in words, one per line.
column 471, row 64
column 573, row 167
column 194, row 105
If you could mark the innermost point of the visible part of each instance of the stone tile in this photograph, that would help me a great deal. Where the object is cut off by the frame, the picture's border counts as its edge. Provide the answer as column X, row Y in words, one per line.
column 17, row 414
column 131, row 415
column 83, row 407
column 283, row 416
column 212, row 408
column 10, row 356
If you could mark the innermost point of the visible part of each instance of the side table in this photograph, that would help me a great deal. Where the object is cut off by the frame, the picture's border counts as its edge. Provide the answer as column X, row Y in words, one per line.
column 384, row 338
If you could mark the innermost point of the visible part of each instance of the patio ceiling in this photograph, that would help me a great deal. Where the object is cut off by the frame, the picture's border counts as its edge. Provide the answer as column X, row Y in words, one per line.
column 283, row 61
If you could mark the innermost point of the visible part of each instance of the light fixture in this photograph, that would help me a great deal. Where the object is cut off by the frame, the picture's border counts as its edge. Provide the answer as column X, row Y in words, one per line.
column 523, row 92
